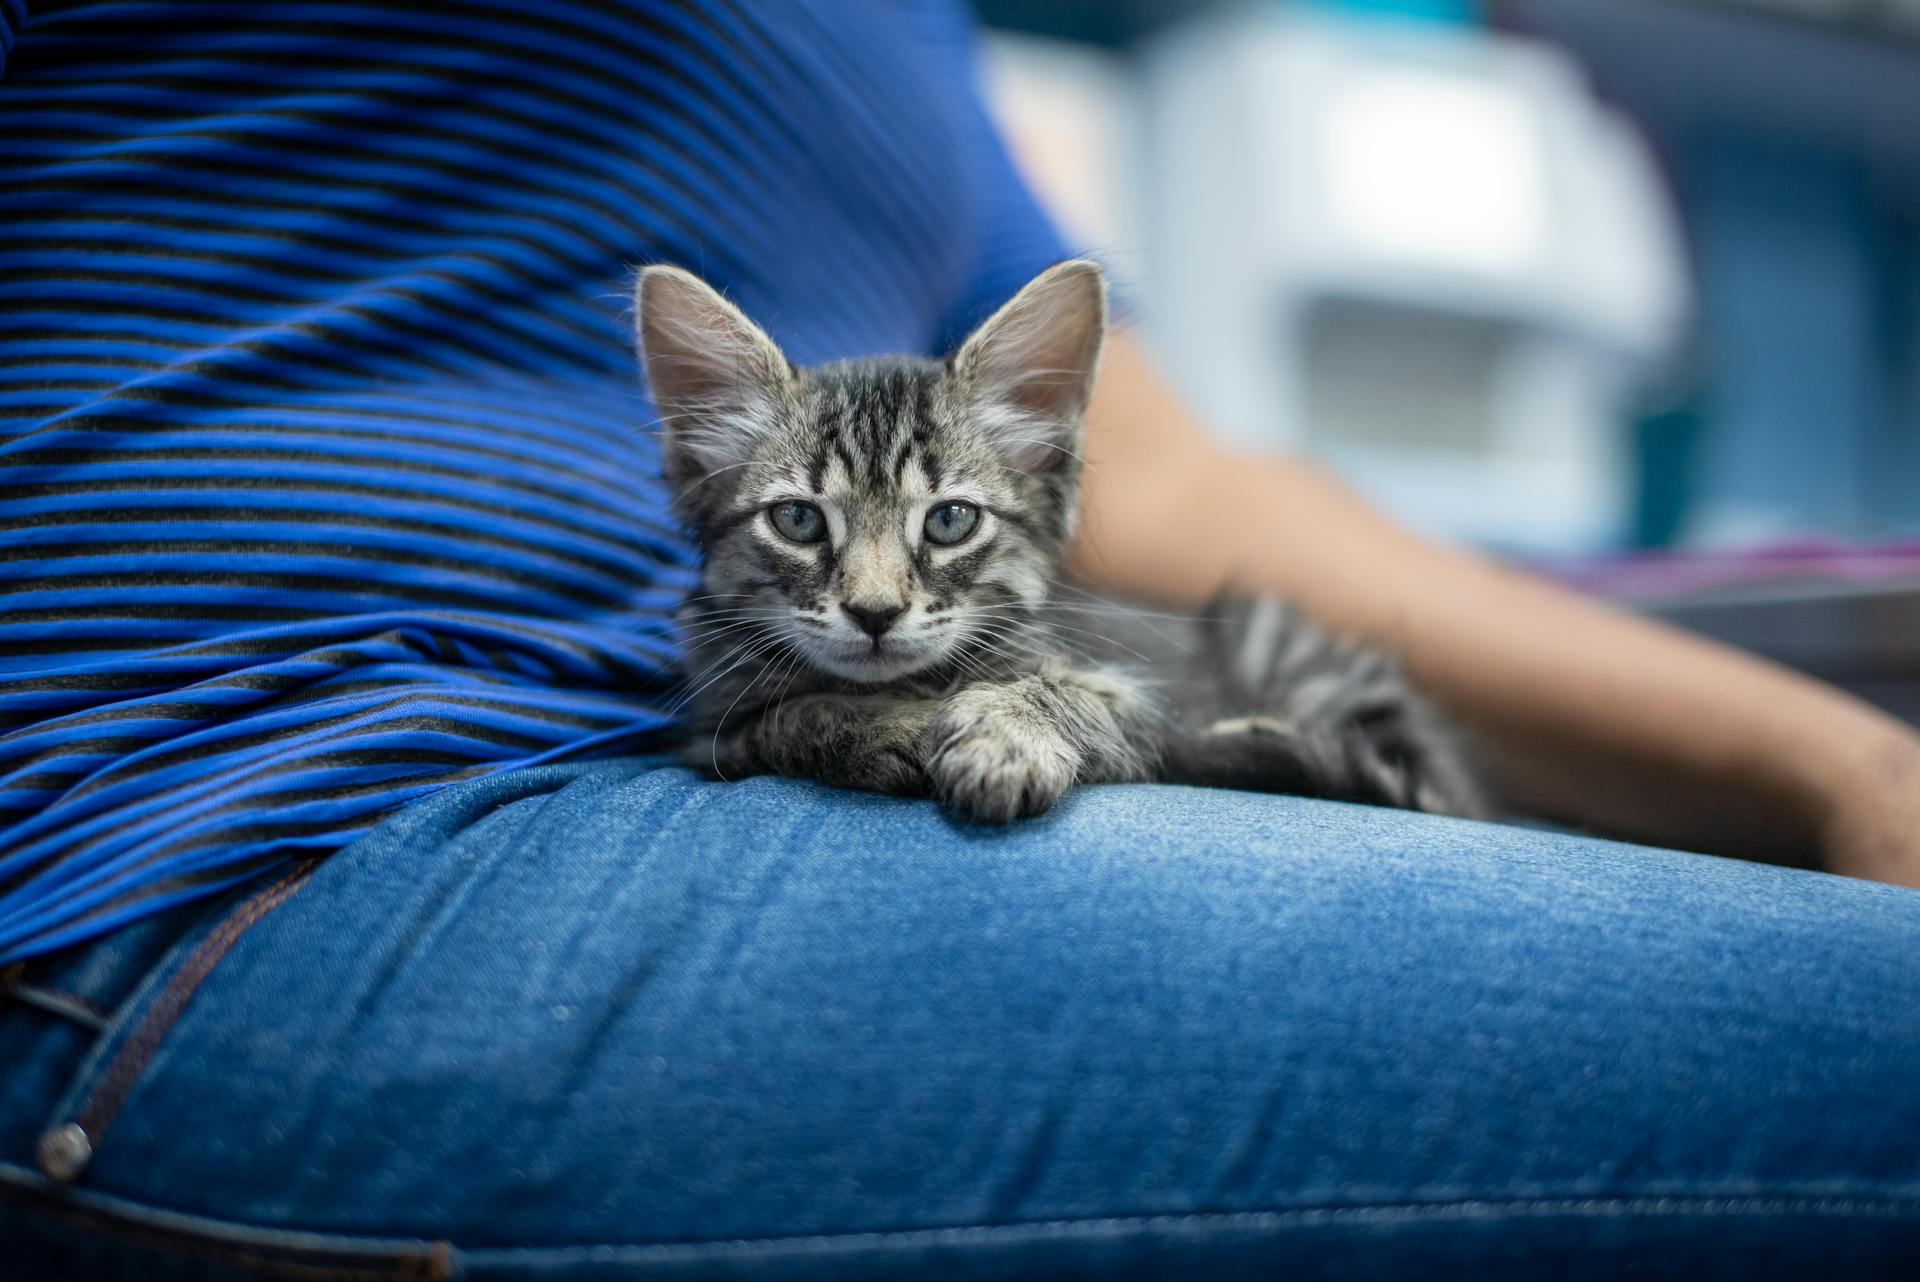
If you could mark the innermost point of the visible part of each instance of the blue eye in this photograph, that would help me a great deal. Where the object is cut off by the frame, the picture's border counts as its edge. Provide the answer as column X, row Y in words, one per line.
column 952, row 522
column 800, row 522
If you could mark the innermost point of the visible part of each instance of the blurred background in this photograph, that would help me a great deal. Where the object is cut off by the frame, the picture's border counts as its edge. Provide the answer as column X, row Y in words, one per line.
column 1628, row 289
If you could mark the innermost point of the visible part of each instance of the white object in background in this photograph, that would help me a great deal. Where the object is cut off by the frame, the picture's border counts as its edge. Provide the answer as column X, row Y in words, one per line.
column 1426, row 254
column 1434, row 169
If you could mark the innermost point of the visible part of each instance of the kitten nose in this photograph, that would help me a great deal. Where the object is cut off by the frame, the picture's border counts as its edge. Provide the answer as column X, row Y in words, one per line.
column 872, row 621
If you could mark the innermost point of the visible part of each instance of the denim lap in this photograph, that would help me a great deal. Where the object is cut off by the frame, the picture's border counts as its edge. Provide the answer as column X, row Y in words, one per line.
column 778, row 1028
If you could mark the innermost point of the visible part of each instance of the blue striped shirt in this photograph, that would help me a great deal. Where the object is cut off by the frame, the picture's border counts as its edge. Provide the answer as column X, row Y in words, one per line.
column 324, row 471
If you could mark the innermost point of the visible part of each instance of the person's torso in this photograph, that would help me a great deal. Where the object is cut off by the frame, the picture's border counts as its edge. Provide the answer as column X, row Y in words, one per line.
column 323, row 471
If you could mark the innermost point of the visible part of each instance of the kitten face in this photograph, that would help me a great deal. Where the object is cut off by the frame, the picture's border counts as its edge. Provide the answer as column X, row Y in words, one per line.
column 876, row 518
column 876, row 528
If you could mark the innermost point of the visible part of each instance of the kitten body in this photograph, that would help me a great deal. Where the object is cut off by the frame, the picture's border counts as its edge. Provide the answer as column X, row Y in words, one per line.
column 880, row 603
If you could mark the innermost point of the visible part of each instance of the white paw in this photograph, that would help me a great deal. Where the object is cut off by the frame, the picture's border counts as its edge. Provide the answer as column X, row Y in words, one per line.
column 992, row 767
column 1236, row 726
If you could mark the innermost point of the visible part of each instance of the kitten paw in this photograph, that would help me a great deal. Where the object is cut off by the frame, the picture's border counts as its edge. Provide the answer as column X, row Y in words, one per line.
column 993, row 766
column 995, row 779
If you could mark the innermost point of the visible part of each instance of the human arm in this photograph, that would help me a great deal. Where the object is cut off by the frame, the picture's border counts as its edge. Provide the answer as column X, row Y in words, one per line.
column 1584, row 714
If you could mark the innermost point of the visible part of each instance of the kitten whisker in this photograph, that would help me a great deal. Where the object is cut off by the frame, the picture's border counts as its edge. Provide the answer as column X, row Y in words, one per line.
column 750, row 653
column 720, row 722
column 1089, row 632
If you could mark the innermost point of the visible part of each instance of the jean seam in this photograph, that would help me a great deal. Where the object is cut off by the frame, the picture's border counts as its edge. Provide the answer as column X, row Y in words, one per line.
column 57, row 1001
column 433, row 1263
column 1595, row 1206
column 122, row 1070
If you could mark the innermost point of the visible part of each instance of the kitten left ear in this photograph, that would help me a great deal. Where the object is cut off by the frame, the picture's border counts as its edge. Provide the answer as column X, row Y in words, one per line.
column 1037, row 357
column 714, row 376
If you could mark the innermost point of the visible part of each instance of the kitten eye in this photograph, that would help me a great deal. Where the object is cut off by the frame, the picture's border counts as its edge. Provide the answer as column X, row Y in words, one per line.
column 800, row 522
column 951, row 522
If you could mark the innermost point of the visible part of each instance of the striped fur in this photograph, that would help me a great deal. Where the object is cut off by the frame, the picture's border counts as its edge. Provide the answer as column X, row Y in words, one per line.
column 993, row 688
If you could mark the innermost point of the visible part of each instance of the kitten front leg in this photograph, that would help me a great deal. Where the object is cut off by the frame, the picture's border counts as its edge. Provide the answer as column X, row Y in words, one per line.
column 1008, row 750
column 871, row 743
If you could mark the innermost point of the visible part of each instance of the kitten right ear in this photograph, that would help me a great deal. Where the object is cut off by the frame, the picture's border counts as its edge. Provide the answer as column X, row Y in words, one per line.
column 1036, row 357
column 714, row 376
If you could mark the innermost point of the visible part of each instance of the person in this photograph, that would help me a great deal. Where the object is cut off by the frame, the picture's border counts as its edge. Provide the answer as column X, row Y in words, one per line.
column 357, row 926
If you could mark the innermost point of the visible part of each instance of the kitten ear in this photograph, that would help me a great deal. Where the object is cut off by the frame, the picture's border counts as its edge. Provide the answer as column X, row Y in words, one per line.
column 714, row 376
column 1036, row 357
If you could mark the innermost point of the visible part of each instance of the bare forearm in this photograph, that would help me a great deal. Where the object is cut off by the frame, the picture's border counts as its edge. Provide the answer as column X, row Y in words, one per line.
column 1585, row 714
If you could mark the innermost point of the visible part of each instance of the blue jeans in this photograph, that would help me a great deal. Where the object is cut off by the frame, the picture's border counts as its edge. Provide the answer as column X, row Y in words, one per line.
column 608, row 1021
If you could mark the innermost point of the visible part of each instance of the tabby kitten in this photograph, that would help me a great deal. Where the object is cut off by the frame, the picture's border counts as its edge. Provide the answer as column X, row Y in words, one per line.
column 878, row 606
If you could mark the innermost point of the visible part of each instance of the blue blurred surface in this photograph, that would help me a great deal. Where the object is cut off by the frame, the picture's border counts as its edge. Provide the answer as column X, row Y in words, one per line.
column 1457, row 11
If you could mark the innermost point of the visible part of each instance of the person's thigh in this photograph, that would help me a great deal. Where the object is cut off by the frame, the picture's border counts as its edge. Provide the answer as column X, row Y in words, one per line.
column 608, row 1021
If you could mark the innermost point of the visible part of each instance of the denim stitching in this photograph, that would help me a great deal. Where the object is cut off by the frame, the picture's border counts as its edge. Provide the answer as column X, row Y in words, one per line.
column 14, row 983
column 116, row 1083
column 434, row 1264
column 55, row 1001
column 1895, row 1208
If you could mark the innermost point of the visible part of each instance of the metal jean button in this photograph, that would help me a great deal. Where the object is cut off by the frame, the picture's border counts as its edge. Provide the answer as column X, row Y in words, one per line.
column 63, row 1152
